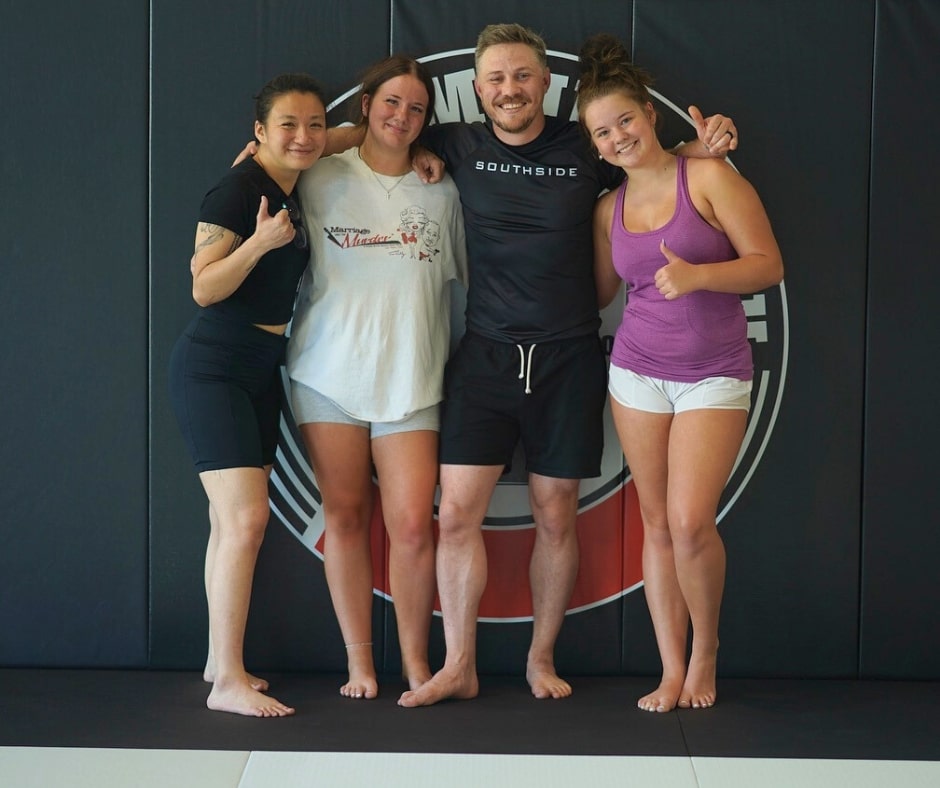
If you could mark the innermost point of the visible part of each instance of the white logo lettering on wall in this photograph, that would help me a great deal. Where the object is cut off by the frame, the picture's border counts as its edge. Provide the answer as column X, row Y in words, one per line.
column 609, row 525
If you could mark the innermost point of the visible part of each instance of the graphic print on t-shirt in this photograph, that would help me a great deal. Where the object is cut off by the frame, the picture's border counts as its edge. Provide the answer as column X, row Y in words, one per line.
column 416, row 237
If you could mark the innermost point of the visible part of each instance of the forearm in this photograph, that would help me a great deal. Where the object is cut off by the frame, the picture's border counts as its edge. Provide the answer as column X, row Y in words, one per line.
column 749, row 274
column 342, row 138
column 217, row 280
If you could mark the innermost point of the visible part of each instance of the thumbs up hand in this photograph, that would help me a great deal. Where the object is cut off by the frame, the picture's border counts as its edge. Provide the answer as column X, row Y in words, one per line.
column 273, row 231
column 717, row 133
column 676, row 277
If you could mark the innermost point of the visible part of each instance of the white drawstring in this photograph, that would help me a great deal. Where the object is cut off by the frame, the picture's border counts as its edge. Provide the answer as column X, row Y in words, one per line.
column 525, row 367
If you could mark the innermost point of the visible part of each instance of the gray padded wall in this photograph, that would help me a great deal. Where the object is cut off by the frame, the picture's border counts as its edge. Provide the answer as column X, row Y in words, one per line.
column 900, row 592
column 73, row 356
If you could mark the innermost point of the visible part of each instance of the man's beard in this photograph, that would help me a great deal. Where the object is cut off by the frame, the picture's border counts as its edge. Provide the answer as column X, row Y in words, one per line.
column 521, row 126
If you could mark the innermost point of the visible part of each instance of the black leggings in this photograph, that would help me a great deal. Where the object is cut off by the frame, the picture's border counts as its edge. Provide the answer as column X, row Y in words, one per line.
column 226, row 392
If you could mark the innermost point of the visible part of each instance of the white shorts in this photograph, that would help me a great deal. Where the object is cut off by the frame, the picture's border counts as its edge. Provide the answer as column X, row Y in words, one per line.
column 653, row 395
column 311, row 406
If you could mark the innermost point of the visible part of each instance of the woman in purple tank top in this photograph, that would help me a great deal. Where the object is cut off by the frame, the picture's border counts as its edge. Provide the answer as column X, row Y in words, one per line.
column 688, row 237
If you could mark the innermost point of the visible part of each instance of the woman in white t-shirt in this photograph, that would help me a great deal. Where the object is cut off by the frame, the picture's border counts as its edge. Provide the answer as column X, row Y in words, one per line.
column 366, row 358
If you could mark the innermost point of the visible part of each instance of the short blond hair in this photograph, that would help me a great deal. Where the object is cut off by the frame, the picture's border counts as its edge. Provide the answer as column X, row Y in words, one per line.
column 509, row 33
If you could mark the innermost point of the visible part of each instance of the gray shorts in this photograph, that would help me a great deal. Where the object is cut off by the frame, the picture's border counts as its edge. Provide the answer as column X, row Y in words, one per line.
column 653, row 395
column 310, row 406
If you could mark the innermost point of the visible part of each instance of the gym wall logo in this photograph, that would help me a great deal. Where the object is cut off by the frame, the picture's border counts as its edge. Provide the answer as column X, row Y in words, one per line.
column 610, row 531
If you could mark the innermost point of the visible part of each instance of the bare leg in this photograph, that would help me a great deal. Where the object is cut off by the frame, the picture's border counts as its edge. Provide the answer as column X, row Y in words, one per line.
column 461, row 578
column 208, row 673
column 702, row 448
column 669, row 614
column 645, row 440
column 239, row 497
column 552, row 573
column 341, row 458
column 407, row 470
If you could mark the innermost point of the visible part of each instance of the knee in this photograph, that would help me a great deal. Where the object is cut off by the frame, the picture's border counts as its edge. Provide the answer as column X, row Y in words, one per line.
column 247, row 526
column 347, row 517
column 556, row 525
column 691, row 532
column 455, row 522
column 411, row 533
column 556, row 532
column 656, row 528
column 555, row 508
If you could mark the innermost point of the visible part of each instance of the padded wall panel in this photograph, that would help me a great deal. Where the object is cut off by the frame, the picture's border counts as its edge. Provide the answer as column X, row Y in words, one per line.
column 73, row 354
column 901, row 538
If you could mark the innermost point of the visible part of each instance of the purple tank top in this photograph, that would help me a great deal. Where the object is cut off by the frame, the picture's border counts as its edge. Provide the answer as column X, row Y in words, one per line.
column 696, row 336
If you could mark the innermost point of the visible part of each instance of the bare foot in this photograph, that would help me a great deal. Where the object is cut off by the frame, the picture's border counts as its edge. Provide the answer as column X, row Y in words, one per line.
column 256, row 683
column 361, row 684
column 446, row 683
column 417, row 677
column 664, row 697
column 699, row 690
column 238, row 697
column 545, row 682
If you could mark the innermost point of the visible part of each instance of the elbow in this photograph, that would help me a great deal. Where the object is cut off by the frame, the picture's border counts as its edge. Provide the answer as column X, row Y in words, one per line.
column 201, row 297
column 606, row 285
column 205, row 291
column 769, row 273
column 606, row 295
column 777, row 274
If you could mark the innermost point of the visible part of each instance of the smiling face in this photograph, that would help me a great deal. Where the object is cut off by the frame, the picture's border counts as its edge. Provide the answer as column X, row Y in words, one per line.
column 511, row 83
column 293, row 134
column 396, row 112
column 621, row 129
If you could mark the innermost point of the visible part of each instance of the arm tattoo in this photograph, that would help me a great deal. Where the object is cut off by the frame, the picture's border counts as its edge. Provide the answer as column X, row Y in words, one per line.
column 213, row 233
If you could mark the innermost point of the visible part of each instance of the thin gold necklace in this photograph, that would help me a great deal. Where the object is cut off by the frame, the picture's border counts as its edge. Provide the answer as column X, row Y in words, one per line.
column 388, row 192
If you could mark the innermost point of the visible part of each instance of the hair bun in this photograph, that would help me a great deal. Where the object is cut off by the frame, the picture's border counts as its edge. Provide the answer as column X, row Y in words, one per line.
column 601, row 55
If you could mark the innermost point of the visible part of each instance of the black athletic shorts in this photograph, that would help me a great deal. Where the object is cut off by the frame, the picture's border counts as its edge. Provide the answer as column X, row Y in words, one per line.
column 549, row 395
column 226, row 391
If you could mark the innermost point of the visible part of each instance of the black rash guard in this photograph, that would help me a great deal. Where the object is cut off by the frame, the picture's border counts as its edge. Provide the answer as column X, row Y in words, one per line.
column 528, row 214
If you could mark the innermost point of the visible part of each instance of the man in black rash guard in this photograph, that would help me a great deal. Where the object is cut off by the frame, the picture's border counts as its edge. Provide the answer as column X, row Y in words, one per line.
column 530, row 366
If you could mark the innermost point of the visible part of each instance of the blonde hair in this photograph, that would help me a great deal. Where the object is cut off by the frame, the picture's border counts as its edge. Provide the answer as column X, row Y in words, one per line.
column 509, row 33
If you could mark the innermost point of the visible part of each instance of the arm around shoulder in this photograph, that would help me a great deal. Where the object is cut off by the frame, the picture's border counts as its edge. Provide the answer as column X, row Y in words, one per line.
column 716, row 136
column 342, row 138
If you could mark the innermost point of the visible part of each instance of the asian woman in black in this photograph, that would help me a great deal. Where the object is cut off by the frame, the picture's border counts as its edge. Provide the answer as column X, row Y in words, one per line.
column 251, row 249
